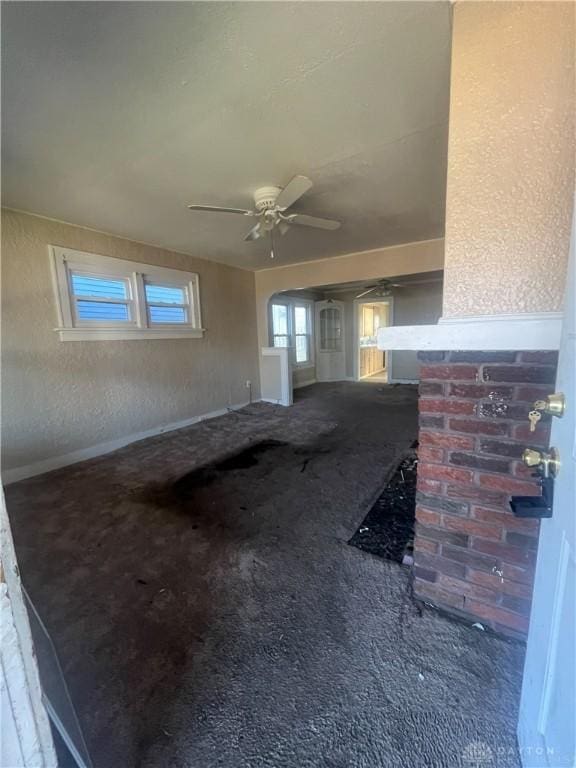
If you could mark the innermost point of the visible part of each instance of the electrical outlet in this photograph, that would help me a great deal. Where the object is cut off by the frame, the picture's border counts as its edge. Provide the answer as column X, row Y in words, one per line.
column 248, row 383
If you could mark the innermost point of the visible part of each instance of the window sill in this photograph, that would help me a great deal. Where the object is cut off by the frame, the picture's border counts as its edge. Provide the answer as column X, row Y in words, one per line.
column 303, row 366
column 127, row 334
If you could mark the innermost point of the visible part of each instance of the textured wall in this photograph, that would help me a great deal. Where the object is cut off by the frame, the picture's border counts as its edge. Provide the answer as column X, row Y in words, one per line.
column 510, row 157
column 59, row 397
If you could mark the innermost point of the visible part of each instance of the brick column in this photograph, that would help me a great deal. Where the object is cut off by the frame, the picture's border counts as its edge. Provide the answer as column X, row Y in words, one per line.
column 472, row 555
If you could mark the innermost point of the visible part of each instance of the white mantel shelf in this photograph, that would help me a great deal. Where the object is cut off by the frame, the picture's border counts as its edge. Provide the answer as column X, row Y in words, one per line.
column 491, row 332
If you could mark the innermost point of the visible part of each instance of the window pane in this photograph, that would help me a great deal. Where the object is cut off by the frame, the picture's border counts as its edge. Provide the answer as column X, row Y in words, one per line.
column 167, row 294
column 279, row 319
column 100, row 287
column 300, row 320
column 101, row 310
column 330, row 329
column 301, row 349
column 281, row 341
column 168, row 315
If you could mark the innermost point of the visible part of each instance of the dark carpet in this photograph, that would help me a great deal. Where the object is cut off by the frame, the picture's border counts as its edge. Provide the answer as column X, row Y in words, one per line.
column 209, row 612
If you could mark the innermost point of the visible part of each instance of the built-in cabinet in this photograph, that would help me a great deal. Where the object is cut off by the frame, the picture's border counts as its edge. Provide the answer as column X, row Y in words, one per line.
column 371, row 360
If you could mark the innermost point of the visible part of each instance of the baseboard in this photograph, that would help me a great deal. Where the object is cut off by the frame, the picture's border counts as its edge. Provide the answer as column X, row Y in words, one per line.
column 56, row 462
column 404, row 381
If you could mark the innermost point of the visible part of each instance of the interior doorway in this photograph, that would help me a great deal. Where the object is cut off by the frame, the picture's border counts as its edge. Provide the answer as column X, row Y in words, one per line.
column 371, row 363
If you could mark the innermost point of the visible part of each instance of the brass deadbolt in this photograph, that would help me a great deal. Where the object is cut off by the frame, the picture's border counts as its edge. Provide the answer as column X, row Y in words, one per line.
column 549, row 463
column 554, row 404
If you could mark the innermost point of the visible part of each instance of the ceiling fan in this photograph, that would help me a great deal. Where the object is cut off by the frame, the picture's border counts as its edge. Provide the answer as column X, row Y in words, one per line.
column 271, row 204
column 381, row 288
column 384, row 287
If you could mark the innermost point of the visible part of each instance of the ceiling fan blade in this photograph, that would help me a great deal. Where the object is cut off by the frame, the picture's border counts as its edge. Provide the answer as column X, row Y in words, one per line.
column 314, row 221
column 218, row 209
column 292, row 191
column 365, row 293
column 254, row 233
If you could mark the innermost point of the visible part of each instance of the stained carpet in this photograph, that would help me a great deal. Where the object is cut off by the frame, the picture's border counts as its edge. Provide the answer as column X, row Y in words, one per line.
column 209, row 612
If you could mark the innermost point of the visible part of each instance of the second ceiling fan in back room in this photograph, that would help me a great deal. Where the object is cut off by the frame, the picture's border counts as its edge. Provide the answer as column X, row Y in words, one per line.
column 271, row 204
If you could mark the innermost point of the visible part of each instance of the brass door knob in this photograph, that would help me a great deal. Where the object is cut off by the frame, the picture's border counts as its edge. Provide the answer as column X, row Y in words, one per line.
column 549, row 463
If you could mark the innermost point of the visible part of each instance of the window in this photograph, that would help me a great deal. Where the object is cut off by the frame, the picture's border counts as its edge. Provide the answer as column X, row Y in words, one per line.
column 290, row 323
column 330, row 329
column 101, row 298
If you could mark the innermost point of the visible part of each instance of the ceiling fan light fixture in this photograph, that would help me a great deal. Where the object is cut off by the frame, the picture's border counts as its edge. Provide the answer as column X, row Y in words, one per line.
column 270, row 204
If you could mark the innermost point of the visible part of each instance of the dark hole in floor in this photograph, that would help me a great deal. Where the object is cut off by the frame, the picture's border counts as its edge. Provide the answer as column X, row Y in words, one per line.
column 388, row 528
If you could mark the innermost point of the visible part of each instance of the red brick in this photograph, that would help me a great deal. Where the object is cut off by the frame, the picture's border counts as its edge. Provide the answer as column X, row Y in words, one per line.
column 479, row 391
column 472, row 527
column 502, row 448
column 529, row 394
column 498, row 410
column 441, row 440
column 431, row 593
column 507, row 520
column 477, row 427
column 548, row 357
column 471, row 559
column 428, row 486
column 426, row 421
column 442, row 535
column 505, row 552
column 531, row 374
column 426, row 517
column 518, row 539
column 432, row 455
column 440, row 564
column 540, row 436
column 500, row 584
column 425, row 545
column 451, row 372
column 465, row 407
column 509, row 485
column 498, row 615
column 438, row 472
column 430, row 388
column 424, row 573
column 516, row 604
column 459, row 587
column 474, row 493
column 473, row 461
column 523, row 575
column 477, row 356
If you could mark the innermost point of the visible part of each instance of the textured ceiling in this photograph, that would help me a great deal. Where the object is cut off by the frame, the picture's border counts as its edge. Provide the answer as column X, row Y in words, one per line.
column 116, row 115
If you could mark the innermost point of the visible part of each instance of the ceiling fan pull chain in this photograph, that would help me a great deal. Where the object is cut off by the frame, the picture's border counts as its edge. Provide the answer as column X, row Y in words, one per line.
column 271, row 243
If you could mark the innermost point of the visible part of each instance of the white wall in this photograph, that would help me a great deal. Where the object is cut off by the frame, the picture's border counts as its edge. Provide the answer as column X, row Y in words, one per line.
column 417, row 305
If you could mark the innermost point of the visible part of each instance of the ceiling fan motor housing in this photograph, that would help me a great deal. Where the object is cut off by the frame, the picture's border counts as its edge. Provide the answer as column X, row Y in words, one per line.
column 265, row 197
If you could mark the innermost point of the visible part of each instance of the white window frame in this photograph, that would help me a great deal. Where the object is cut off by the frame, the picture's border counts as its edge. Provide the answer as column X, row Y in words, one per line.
column 65, row 261
column 291, row 304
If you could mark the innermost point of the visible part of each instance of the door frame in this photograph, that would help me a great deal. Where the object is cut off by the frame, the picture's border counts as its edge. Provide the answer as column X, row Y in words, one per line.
column 357, row 303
